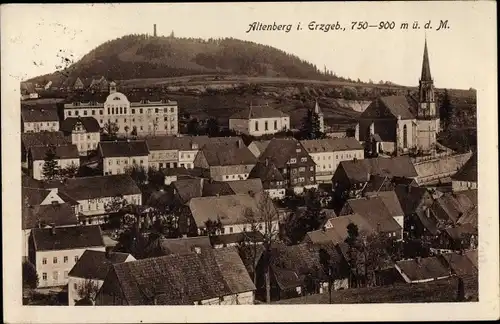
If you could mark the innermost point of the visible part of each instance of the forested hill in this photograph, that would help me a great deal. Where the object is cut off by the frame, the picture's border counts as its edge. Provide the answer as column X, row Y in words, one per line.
column 144, row 56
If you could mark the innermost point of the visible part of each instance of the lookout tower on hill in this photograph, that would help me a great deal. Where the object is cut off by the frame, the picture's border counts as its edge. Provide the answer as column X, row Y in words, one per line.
column 154, row 30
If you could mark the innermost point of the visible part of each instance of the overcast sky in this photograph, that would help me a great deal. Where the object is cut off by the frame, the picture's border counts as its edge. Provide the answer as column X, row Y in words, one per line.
column 34, row 35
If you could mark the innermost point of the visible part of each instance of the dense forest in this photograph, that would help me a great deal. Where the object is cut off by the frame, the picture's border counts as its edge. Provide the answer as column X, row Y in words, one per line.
column 144, row 56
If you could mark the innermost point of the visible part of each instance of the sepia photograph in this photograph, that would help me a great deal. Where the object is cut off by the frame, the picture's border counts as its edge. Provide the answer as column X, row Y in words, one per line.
column 271, row 154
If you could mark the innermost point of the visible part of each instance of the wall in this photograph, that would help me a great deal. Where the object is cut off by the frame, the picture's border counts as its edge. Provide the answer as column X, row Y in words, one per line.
column 411, row 134
column 276, row 193
column 62, row 268
column 186, row 158
column 37, row 171
column 97, row 205
column 35, row 127
column 327, row 162
column 73, row 284
column 432, row 170
column 230, row 172
column 463, row 185
column 426, row 133
column 160, row 159
column 281, row 123
column 118, row 165
column 85, row 141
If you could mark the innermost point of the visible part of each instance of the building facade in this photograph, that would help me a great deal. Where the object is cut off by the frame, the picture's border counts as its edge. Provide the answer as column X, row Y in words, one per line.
column 259, row 120
column 84, row 132
column 65, row 156
column 37, row 119
column 117, row 157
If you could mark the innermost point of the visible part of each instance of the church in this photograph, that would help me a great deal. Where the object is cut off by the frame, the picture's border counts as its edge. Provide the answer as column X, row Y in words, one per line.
column 402, row 124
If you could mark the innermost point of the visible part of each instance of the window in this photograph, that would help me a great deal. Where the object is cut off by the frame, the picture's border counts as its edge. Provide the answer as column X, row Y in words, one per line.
column 156, row 111
column 65, row 274
column 141, row 161
column 125, row 110
column 275, row 125
column 75, row 286
column 65, row 259
column 256, row 125
column 311, row 168
column 405, row 137
column 69, row 113
column 265, row 125
column 101, row 121
column 121, row 110
column 76, row 258
column 88, row 137
column 85, row 112
column 293, row 160
column 44, row 276
column 302, row 169
column 298, row 150
column 44, row 261
column 230, row 230
column 227, row 177
column 54, row 260
column 101, row 111
column 118, row 162
column 172, row 110
column 133, row 111
column 260, row 227
column 110, row 162
column 311, row 179
column 109, row 111
column 76, row 112
column 55, row 274
column 140, row 111
column 303, row 159
column 93, row 112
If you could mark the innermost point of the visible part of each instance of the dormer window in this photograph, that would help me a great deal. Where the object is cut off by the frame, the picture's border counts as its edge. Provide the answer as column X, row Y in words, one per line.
column 293, row 160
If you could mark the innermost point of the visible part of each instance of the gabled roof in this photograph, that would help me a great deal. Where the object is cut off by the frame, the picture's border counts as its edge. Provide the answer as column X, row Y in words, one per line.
column 468, row 172
column 96, row 264
column 331, row 145
column 96, row 187
column 452, row 206
column 236, row 238
column 187, row 189
column 459, row 264
column 361, row 170
column 423, row 268
column 123, row 148
column 227, row 154
column 375, row 212
column 389, row 106
column 184, row 245
column 260, row 146
column 266, row 172
column 280, row 150
column 258, row 112
column 66, row 238
column 68, row 151
column 39, row 113
column 447, row 164
column 90, row 124
column 183, row 279
column 410, row 197
column 391, row 202
column 473, row 257
column 338, row 232
column 43, row 139
column 44, row 215
column 457, row 232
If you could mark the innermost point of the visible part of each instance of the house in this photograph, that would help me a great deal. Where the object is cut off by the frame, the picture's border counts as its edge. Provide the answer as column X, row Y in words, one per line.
column 460, row 264
column 29, row 140
column 259, row 120
column 451, row 207
column 351, row 177
column 91, row 269
column 232, row 211
column 397, row 124
column 391, row 202
column 293, row 162
column 457, row 238
column 94, row 193
column 422, row 269
column 64, row 155
column 466, row 177
column 39, row 118
column 329, row 152
column 226, row 161
column 84, row 133
column 271, row 178
column 28, row 91
column 335, row 229
column 258, row 147
column 55, row 250
column 173, row 174
column 416, row 203
column 298, row 270
column 138, row 114
column 118, row 156
column 98, row 83
column 439, row 170
column 185, row 245
column 212, row 277
column 376, row 213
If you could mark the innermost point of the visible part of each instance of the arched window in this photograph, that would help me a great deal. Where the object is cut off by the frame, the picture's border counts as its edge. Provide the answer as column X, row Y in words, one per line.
column 405, row 137
column 257, row 125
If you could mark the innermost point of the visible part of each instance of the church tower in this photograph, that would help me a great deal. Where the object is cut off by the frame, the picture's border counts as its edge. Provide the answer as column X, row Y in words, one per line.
column 318, row 111
column 427, row 115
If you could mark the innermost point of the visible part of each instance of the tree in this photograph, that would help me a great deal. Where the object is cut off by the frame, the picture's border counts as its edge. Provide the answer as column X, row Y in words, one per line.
column 301, row 222
column 126, row 128
column 267, row 218
column 138, row 173
column 30, row 277
column 50, row 169
column 310, row 128
column 212, row 127
column 111, row 128
column 70, row 171
column 134, row 131
column 155, row 177
column 213, row 228
column 87, row 290
column 193, row 127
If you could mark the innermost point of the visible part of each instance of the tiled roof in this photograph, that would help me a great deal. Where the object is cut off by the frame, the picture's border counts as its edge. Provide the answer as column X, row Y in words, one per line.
column 195, row 172
column 123, row 148
column 187, row 189
column 459, row 264
column 229, row 209
column 410, row 197
column 66, row 238
column 331, row 145
column 184, row 245
column 68, row 151
column 258, row 112
column 470, row 217
column 260, row 146
column 468, row 172
column 90, row 124
column 361, row 170
column 43, row 139
column 183, row 279
column 391, row 202
column 423, row 268
column 96, row 187
column 338, row 232
column 96, row 264
column 36, row 113
column 473, row 257
column 394, row 106
column 245, row 186
column 457, row 232
column 443, row 165
column 228, row 154
column 236, row 238
column 186, row 143
column 39, row 215
column 265, row 172
column 375, row 212
column 452, row 206
column 280, row 150
column 29, row 182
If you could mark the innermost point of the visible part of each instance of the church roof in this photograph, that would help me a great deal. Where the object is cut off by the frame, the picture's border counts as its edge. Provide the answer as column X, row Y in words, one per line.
column 426, row 68
column 398, row 106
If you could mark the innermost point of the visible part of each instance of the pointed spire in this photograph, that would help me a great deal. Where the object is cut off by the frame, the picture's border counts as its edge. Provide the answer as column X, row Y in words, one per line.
column 317, row 110
column 426, row 69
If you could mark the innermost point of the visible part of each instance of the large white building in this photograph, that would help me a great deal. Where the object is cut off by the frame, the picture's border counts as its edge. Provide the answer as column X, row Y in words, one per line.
column 39, row 118
column 328, row 153
column 84, row 132
column 135, row 114
column 116, row 157
column 259, row 120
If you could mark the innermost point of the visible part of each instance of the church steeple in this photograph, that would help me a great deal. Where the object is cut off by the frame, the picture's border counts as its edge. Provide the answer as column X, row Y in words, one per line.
column 426, row 69
column 426, row 88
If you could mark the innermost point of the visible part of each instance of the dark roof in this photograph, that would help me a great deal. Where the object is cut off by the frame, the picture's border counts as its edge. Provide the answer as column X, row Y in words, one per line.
column 39, row 114
column 391, row 202
column 183, row 279
column 331, row 144
column 473, row 257
column 123, row 148
column 260, row 145
column 266, row 173
column 186, row 143
column 460, row 264
column 40, row 215
column 68, row 151
column 236, row 238
column 468, row 172
column 338, row 232
column 389, row 106
column 90, row 124
column 457, row 232
column 375, row 212
column 361, row 170
column 96, row 187
column 43, row 139
column 410, row 197
column 423, row 268
column 426, row 68
column 228, row 154
column 470, row 217
column 66, row 238
column 280, row 150
column 195, row 172
column 96, row 264
column 186, row 189
column 258, row 112
column 453, row 205
column 184, row 245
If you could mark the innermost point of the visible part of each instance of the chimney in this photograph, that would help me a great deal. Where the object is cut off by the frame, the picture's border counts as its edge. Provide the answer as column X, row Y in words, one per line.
column 154, row 30
column 52, row 229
